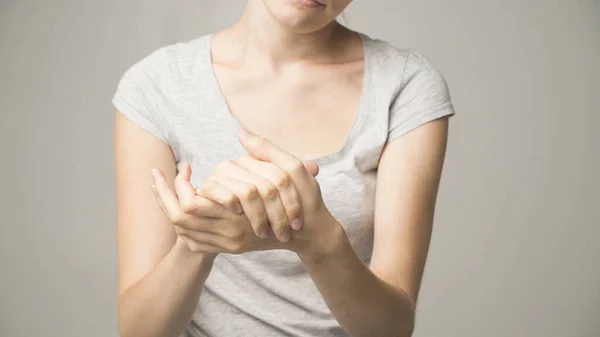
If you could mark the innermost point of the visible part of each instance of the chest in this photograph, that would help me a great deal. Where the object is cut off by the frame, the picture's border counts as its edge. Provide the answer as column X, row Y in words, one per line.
column 324, row 117
column 307, row 110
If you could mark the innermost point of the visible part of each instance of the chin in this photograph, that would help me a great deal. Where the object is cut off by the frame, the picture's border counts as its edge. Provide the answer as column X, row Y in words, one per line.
column 301, row 16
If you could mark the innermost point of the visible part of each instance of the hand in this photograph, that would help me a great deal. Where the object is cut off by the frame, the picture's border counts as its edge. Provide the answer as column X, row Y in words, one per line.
column 320, row 232
column 265, row 193
column 203, row 225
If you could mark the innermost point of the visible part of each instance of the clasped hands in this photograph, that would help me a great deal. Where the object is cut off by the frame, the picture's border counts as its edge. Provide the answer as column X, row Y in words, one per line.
column 265, row 200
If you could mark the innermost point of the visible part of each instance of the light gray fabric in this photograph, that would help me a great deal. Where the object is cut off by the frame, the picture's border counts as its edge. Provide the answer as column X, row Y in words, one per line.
column 174, row 95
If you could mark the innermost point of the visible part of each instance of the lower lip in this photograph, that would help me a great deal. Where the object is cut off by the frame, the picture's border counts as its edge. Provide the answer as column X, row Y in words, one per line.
column 309, row 3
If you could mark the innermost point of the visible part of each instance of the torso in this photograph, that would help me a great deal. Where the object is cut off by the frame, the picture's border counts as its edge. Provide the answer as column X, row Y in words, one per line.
column 337, row 114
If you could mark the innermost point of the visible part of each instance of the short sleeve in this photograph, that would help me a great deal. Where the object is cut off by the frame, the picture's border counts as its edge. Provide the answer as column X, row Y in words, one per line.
column 138, row 94
column 423, row 97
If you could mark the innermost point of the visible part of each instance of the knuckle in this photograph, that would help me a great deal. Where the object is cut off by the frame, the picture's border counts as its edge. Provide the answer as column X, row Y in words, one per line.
column 259, row 222
column 178, row 218
column 295, row 166
column 284, row 181
column 262, row 143
column 230, row 201
column 270, row 192
column 262, row 222
column 236, row 247
column 262, row 146
column 280, row 223
column 250, row 193
column 294, row 211
column 187, row 206
column 234, row 234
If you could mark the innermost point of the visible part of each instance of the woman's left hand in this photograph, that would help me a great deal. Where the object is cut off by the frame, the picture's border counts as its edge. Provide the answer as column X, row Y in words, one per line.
column 320, row 231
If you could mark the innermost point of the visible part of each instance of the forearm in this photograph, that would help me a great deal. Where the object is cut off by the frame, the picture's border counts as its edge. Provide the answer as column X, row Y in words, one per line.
column 363, row 304
column 163, row 302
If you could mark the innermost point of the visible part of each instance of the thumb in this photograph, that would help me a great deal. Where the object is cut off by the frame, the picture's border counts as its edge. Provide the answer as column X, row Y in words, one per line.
column 311, row 167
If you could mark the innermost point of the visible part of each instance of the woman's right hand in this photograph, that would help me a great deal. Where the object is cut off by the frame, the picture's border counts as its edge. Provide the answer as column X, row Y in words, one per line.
column 264, row 192
column 204, row 225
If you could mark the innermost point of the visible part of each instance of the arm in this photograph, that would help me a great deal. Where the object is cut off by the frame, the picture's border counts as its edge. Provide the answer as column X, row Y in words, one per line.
column 380, row 301
column 160, row 279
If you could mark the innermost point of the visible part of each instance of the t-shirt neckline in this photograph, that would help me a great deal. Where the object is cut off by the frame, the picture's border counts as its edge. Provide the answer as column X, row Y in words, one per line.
column 359, row 117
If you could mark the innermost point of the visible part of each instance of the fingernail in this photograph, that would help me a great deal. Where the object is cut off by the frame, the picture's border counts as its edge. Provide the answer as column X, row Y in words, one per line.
column 153, row 189
column 296, row 224
column 264, row 233
column 155, row 173
column 284, row 237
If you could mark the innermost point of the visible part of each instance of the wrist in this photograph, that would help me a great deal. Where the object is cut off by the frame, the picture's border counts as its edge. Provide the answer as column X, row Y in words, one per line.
column 328, row 246
column 182, row 250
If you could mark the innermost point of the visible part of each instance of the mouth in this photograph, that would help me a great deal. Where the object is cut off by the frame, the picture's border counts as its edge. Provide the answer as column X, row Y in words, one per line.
column 310, row 3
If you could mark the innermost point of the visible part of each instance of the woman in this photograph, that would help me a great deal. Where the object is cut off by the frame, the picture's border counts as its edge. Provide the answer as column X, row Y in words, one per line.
column 321, row 230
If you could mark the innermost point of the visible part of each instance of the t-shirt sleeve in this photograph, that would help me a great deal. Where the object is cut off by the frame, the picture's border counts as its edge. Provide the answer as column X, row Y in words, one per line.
column 423, row 97
column 138, row 94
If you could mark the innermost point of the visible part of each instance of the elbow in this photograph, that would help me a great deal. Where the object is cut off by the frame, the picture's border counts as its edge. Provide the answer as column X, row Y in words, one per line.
column 408, row 330
column 408, row 320
column 405, row 326
column 402, row 326
column 405, row 329
column 409, row 326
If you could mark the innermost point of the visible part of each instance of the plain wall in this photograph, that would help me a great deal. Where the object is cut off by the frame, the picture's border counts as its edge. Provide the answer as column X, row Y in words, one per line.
column 514, row 251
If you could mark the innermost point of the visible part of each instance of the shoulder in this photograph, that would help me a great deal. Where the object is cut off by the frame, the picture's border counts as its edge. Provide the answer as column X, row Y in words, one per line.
column 152, row 86
column 169, row 63
column 400, row 64
column 416, row 92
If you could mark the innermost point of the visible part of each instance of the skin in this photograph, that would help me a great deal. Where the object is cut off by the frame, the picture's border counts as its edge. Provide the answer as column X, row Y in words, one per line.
column 291, row 65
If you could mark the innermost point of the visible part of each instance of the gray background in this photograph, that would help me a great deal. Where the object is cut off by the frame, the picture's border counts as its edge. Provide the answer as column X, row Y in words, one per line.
column 515, row 249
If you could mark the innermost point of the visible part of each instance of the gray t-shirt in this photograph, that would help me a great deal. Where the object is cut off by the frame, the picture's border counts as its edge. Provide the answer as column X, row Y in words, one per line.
column 173, row 94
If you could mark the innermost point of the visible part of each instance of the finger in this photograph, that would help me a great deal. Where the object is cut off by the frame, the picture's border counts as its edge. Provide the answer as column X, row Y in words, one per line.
column 251, row 201
column 215, row 225
column 262, row 149
column 269, row 193
column 192, row 203
column 311, row 167
column 201, row 236
column 205, row 208
column 217, row 193
column 183, row 186
column 162, row 207
column 224, row 243
column 284, row 184
column 166, row 196
column 171, row 206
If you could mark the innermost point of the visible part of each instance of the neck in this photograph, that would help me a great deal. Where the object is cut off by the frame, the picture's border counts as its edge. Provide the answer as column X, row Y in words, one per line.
column 266, row 39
